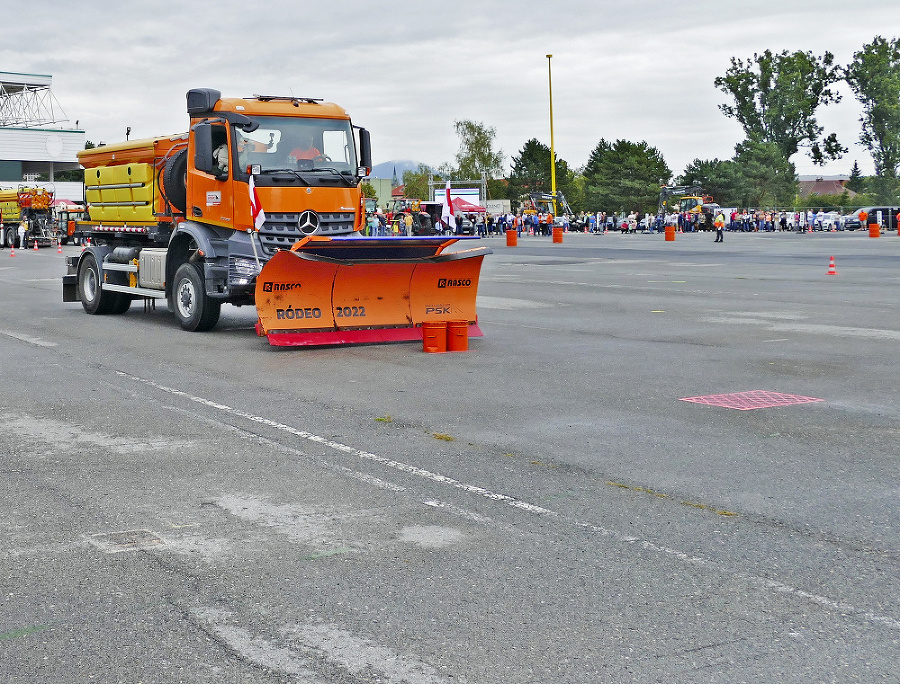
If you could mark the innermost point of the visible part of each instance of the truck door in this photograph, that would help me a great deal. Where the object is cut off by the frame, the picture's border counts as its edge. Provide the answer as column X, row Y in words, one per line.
column 211, row 194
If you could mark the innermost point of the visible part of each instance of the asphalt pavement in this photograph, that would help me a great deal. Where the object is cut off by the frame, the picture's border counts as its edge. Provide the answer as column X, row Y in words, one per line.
column 663, row 462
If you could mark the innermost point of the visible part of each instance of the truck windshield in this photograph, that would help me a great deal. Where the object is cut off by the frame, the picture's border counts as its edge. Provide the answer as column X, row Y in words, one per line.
column 298, row 145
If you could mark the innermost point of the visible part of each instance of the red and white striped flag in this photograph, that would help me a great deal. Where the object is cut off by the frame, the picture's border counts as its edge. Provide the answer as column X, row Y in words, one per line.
column 259, row 216
column 447, row 215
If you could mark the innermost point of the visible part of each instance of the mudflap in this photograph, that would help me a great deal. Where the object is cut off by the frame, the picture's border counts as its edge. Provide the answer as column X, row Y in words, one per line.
column 332, row 291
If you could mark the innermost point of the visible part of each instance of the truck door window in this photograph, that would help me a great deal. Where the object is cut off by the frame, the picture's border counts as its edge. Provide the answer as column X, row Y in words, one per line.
column 220, row 150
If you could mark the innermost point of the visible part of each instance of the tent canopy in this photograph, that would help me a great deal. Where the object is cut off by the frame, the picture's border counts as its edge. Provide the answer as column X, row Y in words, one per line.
column 463, row 207
column 66, row 204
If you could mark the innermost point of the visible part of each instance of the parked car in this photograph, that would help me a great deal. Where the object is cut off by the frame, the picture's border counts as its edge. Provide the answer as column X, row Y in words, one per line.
column 888, row 218
column 851, row 221
column 829, row 220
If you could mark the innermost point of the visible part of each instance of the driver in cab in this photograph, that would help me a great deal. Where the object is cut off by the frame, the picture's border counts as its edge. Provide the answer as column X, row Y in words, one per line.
column 306, row 150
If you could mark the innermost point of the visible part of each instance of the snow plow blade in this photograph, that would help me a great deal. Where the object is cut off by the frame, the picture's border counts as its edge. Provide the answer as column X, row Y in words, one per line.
column 358, row 290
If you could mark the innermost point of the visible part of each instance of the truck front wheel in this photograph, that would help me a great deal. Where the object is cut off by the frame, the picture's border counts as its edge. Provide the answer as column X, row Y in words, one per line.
column 195, row 310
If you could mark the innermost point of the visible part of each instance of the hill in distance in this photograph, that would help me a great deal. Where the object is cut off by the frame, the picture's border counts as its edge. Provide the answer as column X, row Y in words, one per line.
column 386, row 169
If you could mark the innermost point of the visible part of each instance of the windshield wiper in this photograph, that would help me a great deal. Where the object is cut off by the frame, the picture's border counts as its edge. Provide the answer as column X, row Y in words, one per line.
column 337, row 173
column 293, row 172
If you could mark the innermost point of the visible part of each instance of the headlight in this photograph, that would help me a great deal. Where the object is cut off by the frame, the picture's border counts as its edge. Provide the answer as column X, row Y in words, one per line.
column 243, row 270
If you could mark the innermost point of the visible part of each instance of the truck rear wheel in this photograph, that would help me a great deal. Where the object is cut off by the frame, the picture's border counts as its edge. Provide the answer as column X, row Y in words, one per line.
column 195, row 310
column 94, row 298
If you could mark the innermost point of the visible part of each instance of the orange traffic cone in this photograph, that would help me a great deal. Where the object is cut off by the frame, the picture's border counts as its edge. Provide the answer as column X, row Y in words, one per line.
column 58, row 246
column 35, row 246
column 12, row 250
column 831, row 267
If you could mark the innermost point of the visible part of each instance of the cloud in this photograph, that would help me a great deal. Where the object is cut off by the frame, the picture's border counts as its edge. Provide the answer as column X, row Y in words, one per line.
column 640, row 71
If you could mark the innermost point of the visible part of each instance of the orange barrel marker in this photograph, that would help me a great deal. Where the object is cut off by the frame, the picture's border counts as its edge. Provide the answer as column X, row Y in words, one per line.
column 434, row 337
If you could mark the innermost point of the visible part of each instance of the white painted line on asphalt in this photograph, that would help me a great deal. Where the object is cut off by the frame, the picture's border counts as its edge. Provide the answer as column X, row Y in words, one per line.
column 457, row 511
column 810, row 328
column 36, row 341
column 759, row 582
column 507, row 303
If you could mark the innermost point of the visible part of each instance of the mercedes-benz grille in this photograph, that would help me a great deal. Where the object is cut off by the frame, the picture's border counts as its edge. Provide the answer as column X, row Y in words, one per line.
column 281, row 231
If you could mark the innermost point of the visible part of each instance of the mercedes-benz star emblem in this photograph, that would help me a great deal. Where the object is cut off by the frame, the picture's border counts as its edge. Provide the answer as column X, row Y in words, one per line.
column 308, row 223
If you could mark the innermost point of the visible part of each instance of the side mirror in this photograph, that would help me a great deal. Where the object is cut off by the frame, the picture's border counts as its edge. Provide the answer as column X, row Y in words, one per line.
column 203, row 151
column 365, row 152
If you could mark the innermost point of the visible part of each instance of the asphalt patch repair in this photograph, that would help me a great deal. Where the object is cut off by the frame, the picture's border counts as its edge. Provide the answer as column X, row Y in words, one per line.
column 753, row 399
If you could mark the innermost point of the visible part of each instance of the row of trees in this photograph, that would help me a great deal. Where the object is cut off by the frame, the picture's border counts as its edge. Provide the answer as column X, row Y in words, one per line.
column 774, row 96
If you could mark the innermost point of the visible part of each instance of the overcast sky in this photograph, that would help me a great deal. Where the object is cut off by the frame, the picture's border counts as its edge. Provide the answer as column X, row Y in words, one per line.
column 637, row 70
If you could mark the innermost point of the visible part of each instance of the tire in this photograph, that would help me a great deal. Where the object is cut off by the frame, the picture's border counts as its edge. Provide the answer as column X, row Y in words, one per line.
column 175, row 181
column 95, row 300
column 9, row 237
column 121, row 303
column 194, row 309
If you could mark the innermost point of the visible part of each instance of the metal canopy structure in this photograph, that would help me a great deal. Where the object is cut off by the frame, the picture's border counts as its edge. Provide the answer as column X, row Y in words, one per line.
column 26, row 101
column 36, row 139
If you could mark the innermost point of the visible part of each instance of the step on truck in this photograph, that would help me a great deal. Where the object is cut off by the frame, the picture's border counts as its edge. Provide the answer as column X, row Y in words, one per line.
column 259, row 203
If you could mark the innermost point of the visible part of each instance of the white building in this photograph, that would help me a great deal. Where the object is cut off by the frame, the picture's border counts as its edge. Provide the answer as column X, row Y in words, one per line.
column 35, row 135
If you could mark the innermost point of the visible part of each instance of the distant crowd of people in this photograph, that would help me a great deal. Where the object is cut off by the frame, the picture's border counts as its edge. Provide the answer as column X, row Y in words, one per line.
column 538, row 223
column 482, row 224
column 734, row 220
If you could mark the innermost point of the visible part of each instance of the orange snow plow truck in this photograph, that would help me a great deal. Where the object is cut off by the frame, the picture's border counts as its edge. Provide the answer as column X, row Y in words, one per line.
column 260, row 203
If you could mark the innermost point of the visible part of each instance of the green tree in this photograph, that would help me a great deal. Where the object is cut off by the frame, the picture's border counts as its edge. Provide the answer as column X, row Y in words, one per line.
column 596, row 159
column 874, row 76
column 856, row 182
column 624, row 176
column 776, row 97
column 720, row 178
column 884, row 189
column 368, row 190
column 415, row 183
column 836, row 202
column 476, row 155
column 531, row 173
column 767, row 178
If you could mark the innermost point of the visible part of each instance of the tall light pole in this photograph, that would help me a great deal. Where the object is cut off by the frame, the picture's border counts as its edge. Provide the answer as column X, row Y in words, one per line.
column 552, row 148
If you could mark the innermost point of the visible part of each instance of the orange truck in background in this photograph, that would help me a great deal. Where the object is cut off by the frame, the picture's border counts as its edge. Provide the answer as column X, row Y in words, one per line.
column 259, row 203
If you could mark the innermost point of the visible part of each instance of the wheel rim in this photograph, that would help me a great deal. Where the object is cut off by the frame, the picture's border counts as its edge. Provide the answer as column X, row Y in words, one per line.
column 186, row 299
column 89, row 284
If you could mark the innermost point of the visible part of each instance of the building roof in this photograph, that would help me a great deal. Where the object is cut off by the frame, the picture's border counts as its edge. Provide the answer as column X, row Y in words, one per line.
column 823, row 187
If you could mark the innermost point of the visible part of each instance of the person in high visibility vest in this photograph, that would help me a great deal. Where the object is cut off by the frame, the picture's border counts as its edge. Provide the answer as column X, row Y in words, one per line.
column 719, row 223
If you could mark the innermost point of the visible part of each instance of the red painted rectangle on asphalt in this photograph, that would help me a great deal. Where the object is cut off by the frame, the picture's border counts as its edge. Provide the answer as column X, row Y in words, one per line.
column 754, row 399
